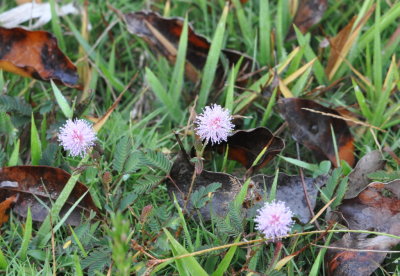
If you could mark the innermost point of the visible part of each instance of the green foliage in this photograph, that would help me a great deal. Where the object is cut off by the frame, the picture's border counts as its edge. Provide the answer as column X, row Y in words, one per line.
column 121, row 244
column 36, row 145
column 186, row 266
column 210, row 67
column 126, row 159
column 97, row 261
column 336, row 185
column 232, row 225
column 384, row 176
column 2, row 156
column 49, row 155
column 6, row 126
column 146, row 183
column 121, row 153
column 200, row 197
column 157, row 160
column 14, row 104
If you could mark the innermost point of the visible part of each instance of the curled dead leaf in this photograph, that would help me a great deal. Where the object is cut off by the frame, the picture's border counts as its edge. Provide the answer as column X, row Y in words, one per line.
column 377, row 208
column 358, row 179
column 35, row 54
column 314, row 130
column 245, row 146
column 45, row 183
column 163, row 34
column 309, row 13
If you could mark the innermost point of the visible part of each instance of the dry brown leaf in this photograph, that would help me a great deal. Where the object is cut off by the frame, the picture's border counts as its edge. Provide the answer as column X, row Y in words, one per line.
column 4, row 206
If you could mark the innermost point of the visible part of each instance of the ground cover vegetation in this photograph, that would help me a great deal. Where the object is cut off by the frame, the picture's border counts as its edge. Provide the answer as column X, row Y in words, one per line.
column 197, row 137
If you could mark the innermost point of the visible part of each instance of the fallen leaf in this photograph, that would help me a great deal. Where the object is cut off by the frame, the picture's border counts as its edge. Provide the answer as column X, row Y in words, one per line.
column 343, row 42
column 33, row 10
column 4, row 206
column 182, row 172
column 358, row 179
column 35, row 54
column 309, row 13
column 163, row 34
column 245, row 146
column 360, row 261
column 314, row 130
column 377, row 208
column 45, row 183
column 289, row 190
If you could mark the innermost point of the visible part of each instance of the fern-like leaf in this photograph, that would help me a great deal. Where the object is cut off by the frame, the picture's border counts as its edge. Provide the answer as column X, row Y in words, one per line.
column 147, row 183
column 133, row 163
column 200, row 197
column 121, row 153
column 97, row 261
column 384, row 176
column 2, row 156
column 9, row 103
column 158, row 160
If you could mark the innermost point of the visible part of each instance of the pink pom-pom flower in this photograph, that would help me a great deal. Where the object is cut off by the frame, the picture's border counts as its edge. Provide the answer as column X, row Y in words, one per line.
column 274, row 219
column 214, row 124
column 77, row 137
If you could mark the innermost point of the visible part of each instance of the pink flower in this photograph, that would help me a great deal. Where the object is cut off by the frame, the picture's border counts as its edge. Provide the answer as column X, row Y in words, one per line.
column 274, row 219
column 77, row 137
column 214, row 124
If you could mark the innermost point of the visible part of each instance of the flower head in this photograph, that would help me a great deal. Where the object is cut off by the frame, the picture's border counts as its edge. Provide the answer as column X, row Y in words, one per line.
column 274, row 219
column 214, row 124
column 77, row 137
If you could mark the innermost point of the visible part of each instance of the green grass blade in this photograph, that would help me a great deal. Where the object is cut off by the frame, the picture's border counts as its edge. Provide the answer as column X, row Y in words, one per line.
column 3, row 261
column 226, row 261
column 14, row 155
column 78, row 242
column 77, row 264
column 366, row 112
column 304, row 41
column 163, row 96
column 212, row 60
column 189, row 263
column 56, row 26
column 184, row 225
column 244, row 23
column 36, row 147
column 387, row 19
column 320, row 258
column 264, row 32
column 114, row 81
column 62, row 102
column 27, row 236
column 230, row 91
column 280, row 28
column 272, row 193
column 176, row 83
column 239, row 199
column 377, row 66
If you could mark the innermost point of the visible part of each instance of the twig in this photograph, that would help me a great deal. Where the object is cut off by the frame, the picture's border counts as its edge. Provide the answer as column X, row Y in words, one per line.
column 53, row 246
column 354, row 249
column 343, row 118
column 155, row 262
column 392, row 154
column 305, row 188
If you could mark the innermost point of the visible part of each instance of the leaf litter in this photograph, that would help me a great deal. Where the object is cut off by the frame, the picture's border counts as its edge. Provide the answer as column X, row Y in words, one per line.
column 38, row 185
column 376, row 208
